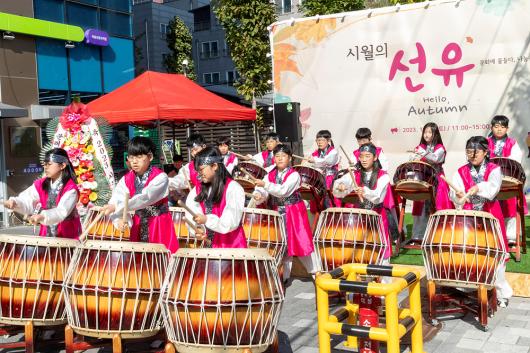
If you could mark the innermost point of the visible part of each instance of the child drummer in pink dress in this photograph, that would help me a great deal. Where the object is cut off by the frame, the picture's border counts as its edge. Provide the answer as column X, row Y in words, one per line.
column 187, row 176
column 430, row 150
column 147, row 187
column 371, row 184
column 218, row 203
column 500, row 145
column 280, row 188
column 56, row 196
column 265, row 158
column 326, row 158
column 363, row 135
column 482, row 180
column 230, row 160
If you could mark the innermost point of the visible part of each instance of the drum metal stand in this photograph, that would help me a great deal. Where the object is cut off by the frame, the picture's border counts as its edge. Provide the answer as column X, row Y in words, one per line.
column 403, row 242
column 75, row 343
column 29, row 330
column 520, row 240
column 481, row 302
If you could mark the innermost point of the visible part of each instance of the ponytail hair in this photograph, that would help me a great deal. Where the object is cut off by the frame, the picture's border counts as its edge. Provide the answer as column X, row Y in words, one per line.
column 369, row 147
column 327, row 135
column 211, row 156
column 59, row 155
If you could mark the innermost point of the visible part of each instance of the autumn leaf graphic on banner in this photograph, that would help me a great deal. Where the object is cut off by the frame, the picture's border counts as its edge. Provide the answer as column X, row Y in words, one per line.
column 282, row 62
column 309, row 31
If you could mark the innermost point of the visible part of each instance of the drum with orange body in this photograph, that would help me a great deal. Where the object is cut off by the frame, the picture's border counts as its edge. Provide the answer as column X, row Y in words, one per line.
column 222, row 300
column 114, row 288
column 265, row 229
column 32, row 270
column 103, row 229
column 346, row 235
column 181, row 230
column 463, row 248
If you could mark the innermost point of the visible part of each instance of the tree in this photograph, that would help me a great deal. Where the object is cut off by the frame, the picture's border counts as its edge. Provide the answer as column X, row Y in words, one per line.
column 326, row 7
column 245, row 23
column 179, row 42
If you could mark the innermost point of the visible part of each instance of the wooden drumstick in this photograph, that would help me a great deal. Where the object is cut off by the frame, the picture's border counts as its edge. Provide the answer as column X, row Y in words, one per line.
column 190, row 223
column 90, row 226
column 354, row 183
column 300, row 157
column 25, row 217
column 125, row 210
column 252, row 178
column 184, row 206
column 449, row 183
column 242, row 156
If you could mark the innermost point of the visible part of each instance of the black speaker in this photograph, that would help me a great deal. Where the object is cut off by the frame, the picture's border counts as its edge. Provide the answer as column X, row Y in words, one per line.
column 287, row 120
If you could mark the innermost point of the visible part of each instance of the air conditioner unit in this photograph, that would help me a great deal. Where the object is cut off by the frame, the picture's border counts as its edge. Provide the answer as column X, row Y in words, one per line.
column 45, row 112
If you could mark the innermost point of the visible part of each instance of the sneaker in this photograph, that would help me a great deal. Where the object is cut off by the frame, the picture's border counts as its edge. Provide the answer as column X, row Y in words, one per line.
column 503, row 303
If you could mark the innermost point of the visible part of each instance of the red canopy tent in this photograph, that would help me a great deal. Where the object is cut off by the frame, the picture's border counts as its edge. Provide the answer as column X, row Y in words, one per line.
column 156, row 96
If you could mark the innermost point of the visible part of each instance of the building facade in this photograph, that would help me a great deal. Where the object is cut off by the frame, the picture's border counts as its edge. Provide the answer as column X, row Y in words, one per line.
column 150, row 25
column 51, row 51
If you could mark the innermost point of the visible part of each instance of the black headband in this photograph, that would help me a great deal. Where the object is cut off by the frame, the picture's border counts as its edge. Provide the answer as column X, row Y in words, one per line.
column 56, row 158
column 208, row 160
column 478, row 146
column 368, row 148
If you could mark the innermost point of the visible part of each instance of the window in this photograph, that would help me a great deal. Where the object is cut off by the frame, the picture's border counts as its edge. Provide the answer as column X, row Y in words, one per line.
column 209, row 50
column 118, row 5
column 115, row 23
column 286, row 6
column 231, row 77
column 211, row 78
column 83, row 16
column 50, row 10
column 226, row 49
column 164, row 30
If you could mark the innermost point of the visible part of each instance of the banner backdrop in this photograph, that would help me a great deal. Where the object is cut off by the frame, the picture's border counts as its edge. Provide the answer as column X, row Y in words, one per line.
column 394, row 69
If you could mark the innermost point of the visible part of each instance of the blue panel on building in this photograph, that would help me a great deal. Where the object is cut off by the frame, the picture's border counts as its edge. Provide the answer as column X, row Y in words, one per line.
column 118, row 63
column 50, row 10
column 51, row 64
column 85, row 68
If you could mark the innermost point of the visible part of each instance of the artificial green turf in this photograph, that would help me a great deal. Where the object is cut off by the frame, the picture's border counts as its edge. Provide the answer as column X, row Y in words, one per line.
column 414, row 257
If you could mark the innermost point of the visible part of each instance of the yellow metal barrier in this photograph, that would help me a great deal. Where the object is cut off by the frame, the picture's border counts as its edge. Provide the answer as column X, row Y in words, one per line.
column 398, row 321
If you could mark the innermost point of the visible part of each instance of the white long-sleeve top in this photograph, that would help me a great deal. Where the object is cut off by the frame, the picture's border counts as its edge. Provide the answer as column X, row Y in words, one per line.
column 375, row 196
column 515, row 153
column 182, row 179
column 155, row 191
column 328, row 161
column 436, row 157
column 28, row 199
column 290, row 185
column 383, row 160
column 487, row 189
column 258, row 159
column 232, row 213
column 230, row 166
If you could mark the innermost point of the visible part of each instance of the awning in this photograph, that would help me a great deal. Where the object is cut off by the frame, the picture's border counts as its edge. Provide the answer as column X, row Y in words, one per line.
column 11, row 111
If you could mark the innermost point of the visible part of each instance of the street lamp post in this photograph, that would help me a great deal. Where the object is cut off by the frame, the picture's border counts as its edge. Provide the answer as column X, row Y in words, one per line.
column 185, row 67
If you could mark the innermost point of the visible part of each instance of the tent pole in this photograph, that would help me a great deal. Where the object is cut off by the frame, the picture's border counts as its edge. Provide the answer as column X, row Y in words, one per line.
column 160, row 140
column 256, row 137
column 173, row 132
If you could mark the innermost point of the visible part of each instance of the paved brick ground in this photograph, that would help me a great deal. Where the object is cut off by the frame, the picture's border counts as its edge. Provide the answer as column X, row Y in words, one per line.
column 509, row 329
